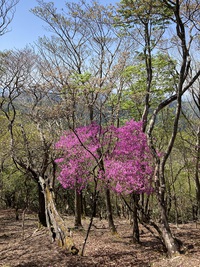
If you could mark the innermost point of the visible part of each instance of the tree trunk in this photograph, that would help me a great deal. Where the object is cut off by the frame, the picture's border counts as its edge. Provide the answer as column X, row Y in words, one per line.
column 107, row 195
column 197, row 171
column 136, row 234
column 84, row 206
column 171, row 244
column 109, row 212
column 78, row 210
column 41, row 213
column 57, row 227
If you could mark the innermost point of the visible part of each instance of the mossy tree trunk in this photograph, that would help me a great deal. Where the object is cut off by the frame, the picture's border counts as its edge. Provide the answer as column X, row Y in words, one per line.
column 57, row 226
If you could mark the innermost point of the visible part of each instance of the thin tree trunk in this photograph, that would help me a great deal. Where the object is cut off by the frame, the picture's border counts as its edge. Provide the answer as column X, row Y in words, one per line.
column 84, row 207
column 197, row 172
column 107, row 196
column 109, row 211
column 78, row 210
column 171, row 244
column 95, row 198
column 136, row 234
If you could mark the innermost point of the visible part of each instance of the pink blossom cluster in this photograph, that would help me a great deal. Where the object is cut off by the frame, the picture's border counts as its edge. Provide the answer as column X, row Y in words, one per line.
column 120, row 157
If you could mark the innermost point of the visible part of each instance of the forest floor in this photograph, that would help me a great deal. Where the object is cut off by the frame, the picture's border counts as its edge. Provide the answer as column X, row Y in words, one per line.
column 27, row 246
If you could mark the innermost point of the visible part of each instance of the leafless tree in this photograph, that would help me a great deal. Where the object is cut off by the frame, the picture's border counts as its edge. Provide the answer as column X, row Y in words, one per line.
column 7, row 10
column 23, row 107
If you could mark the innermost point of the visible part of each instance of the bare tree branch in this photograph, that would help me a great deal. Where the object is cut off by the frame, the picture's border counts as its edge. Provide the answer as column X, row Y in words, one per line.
column 7, row 10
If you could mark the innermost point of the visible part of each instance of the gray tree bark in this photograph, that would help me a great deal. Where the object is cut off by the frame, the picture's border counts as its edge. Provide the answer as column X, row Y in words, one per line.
column 57, row 226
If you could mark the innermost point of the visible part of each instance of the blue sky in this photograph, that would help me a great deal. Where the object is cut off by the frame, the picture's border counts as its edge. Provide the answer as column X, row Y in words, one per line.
column 26, row 27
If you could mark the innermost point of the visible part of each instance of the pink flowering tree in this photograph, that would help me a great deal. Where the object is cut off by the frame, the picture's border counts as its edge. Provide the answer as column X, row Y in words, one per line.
column 117, row 157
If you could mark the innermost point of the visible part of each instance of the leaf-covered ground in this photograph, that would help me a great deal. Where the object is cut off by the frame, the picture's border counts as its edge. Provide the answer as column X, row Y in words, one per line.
column 32, row 247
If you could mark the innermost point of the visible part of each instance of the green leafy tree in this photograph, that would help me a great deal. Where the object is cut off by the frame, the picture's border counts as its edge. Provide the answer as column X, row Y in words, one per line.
column 148, row 19
column 163, row 84
column 154, row 19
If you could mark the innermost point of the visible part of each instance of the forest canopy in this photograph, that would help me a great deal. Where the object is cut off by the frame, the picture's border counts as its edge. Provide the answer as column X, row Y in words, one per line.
column 109, row 98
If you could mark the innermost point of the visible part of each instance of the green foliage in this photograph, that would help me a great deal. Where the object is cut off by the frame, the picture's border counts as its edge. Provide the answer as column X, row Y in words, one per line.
column 17, row 190
column 81, row 78
column 87, row 70
column 163, row 83
column 142, row 12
